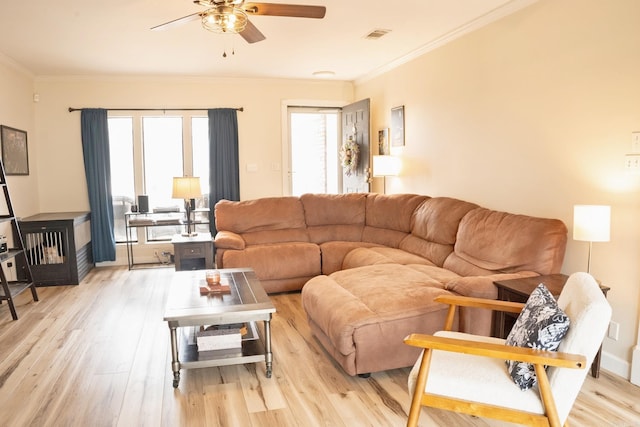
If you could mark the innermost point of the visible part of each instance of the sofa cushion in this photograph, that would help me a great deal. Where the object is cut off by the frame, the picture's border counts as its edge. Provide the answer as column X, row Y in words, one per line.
column 438, row 218
column 334, row 253
column 362, row 257
column 388, row 217
column 492, row 241
column 334, row 216
column 266, row 220
column 331, row 209
column 439, row 274
column 270, row 261
column 361, row 315
column 392, row 211
column 434, row 225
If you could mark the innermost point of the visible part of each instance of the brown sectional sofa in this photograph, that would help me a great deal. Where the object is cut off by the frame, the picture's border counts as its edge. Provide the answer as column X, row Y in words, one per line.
column 369, row 265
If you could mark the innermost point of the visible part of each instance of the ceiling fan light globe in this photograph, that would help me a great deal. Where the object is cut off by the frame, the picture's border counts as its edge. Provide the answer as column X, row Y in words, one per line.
column 224, row 19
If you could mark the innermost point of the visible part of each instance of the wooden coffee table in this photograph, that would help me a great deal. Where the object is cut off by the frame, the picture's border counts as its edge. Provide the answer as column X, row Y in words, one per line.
column 247, row 302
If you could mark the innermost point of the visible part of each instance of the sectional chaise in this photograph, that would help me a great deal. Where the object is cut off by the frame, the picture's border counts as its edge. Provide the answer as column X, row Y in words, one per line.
column 369, row 265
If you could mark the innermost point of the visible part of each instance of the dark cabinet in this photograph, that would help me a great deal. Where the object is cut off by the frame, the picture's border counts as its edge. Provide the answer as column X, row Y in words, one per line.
column 58, row 247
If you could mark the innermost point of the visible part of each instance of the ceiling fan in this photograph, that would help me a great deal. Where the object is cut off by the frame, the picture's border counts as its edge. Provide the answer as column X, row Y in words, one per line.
column 232, row 16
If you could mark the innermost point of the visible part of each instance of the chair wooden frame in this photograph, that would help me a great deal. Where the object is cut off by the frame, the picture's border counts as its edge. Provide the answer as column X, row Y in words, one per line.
column 538, row 358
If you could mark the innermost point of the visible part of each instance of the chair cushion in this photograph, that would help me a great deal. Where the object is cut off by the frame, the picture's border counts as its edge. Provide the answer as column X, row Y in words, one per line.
column 540, row 325
column 475, row 379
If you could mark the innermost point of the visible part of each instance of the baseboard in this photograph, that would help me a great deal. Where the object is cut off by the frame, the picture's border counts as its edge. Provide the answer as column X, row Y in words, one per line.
column 635, row 365
column 617, row 365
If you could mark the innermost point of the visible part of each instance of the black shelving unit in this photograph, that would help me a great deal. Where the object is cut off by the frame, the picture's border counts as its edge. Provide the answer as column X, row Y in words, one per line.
column 15, row 255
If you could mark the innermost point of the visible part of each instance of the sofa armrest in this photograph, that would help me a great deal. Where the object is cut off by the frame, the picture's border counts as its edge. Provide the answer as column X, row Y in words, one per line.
column 482, row 286
column 229, row 240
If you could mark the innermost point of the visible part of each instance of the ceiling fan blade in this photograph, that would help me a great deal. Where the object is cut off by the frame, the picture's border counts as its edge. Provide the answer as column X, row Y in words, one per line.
column 251, row 33
column 177, row 22
column 291, row 10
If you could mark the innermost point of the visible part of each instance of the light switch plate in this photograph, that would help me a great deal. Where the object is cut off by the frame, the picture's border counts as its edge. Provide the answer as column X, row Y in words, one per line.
column 635, row 142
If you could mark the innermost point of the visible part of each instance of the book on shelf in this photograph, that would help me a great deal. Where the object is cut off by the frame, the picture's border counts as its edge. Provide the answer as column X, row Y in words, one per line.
column 218, row 337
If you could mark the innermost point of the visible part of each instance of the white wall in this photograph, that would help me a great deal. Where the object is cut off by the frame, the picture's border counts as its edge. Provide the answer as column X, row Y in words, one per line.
column 64, row 188
column 533, row 114
column 17, row 111
column 62, row 182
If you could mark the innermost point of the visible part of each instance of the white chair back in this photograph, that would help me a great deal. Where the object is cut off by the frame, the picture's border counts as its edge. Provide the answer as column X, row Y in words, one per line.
column 585, row 304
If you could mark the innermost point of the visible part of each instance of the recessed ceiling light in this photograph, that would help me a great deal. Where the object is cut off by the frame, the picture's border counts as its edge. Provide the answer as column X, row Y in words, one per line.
column 324, row 73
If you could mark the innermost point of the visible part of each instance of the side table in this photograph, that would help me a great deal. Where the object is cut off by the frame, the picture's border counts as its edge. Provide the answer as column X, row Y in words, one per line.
column 193, row 252
column 518, row 290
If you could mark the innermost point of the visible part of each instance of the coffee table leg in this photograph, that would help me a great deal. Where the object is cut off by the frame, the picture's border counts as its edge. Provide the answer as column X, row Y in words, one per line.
column 175, row 363
column 268, row 357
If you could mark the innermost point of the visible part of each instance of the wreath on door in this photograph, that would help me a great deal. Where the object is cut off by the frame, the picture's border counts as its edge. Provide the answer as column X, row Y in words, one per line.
column 349, row 156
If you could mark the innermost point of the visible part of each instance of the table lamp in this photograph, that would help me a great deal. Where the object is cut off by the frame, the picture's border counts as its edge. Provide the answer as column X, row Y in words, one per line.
column 591, row 223
column 386, row 166
column 187, row 188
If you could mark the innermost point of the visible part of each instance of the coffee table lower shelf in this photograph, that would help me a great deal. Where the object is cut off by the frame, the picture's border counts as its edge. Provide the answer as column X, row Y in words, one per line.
column 187, row 356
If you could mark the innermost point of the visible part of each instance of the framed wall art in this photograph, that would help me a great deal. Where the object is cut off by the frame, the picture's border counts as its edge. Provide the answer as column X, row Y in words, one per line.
column 383, row 142
column 397, row 126
column 15, row 156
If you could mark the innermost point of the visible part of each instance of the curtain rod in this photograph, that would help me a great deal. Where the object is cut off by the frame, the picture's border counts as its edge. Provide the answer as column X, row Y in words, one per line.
column 71, row 109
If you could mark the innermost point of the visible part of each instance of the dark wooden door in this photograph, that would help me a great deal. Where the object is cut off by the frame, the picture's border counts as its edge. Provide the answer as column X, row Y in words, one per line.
column 355, row 126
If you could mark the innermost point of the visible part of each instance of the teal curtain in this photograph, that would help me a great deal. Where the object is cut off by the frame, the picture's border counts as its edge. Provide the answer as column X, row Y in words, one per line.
column 97, row 168
column 224, row 168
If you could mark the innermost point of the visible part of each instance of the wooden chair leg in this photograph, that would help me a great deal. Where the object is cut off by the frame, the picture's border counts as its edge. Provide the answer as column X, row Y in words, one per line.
column 547, row 397
column 448, row 325
column 421, row 382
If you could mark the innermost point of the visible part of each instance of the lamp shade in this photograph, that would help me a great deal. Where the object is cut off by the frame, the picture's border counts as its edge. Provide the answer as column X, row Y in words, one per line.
column 386, row 165
column 186, row 187
column 591, row 223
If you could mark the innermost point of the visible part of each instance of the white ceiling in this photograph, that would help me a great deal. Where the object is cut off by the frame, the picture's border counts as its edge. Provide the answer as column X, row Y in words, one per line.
column 113, row 37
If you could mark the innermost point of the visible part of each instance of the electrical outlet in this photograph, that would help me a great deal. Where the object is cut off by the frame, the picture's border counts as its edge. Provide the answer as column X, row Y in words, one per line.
column 614, row 330
column 632, row 163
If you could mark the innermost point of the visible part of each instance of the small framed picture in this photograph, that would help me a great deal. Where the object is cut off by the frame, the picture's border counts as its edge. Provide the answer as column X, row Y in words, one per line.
column 383, row 142
column 15, row 156
column 397, row 126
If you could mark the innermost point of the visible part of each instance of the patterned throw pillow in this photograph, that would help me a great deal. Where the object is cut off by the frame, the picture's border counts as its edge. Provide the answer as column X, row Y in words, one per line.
column 541, row 325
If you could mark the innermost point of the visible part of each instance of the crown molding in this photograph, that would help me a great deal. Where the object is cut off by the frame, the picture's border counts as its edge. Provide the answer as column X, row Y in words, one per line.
column 11, row 63
column 486, row 19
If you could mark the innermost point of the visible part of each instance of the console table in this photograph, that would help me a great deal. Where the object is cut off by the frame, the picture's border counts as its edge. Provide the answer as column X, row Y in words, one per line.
column 518, row 290
column 138, row 220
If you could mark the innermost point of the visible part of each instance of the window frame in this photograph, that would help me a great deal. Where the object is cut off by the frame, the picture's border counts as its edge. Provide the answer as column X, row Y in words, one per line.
column 138, row 153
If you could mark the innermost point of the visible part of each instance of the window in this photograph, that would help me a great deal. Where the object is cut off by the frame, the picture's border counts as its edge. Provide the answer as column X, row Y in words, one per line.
column 122, row 178
column 313, row 141
column 147, row 151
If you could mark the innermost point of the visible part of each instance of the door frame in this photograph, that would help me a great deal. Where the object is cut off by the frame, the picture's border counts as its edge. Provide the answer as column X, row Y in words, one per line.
column 284, row 132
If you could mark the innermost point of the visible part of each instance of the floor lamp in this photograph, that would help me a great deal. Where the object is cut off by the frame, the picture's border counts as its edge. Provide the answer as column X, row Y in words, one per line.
column 591, row 223
column 385, row 166
column 187, row 188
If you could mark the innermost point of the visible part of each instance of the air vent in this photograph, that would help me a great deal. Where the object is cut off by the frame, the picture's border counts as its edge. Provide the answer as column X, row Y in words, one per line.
column 376, row 34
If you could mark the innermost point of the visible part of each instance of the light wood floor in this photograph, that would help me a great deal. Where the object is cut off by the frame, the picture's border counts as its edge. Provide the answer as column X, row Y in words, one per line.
column 97, row 354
